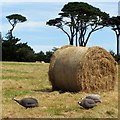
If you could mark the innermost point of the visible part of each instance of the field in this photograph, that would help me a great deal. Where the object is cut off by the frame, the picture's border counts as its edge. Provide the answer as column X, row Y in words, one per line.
column 21, row 80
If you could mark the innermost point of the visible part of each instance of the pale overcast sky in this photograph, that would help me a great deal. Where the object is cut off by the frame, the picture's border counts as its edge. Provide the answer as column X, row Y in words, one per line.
column 42, row 37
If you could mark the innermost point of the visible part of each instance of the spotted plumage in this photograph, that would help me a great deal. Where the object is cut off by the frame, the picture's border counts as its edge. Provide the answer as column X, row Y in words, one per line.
column 27, row 102
column 87, row 103
column 94, row 97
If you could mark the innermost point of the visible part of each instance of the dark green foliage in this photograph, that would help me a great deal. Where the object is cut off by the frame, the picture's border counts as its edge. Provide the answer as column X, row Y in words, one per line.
column 9, row 48
column 116, row 57
column 54, row 49
column 40, row 56
column 48, row 56
column 16, row 18
column 114, row 22
column 78, row 17
column 21, row 52
column 24, row 53
column 13, row 51
column 0, row 46
column 112, row 53
column 13, row 20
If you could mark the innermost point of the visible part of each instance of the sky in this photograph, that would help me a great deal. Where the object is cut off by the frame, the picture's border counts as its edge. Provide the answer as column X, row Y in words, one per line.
column 42, row 37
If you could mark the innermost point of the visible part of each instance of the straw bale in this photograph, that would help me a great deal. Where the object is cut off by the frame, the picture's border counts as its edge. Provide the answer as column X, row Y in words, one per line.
column 82, row 69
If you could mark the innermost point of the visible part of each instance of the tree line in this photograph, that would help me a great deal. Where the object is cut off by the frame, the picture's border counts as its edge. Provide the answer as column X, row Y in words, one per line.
column 78, row 20
column 13, row 50
column 21, row 52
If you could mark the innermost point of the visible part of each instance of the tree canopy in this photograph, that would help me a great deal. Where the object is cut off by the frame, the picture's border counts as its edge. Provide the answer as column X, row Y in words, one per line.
column 114, row 22
column 78, row 20
column 14, row 19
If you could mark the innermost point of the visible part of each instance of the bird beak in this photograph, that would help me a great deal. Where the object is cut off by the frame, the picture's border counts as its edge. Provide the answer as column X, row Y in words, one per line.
column 13, row 98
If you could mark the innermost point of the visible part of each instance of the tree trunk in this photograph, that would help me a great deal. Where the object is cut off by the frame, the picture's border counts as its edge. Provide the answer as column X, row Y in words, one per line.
column 71, row 42
column 118, row 38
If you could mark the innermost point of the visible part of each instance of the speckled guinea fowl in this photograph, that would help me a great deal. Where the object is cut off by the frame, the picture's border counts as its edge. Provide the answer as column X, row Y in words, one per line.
column 94, row 97
column 27, row 102
column 87, row 103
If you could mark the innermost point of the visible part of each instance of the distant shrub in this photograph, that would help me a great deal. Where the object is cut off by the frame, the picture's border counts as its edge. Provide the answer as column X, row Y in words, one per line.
column 116, row 57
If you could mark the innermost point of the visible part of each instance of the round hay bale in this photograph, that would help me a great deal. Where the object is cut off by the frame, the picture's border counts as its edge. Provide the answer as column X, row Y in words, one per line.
column 82, row 69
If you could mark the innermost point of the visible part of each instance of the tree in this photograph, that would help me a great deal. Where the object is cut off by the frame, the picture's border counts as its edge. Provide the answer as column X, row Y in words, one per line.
column 9, row 46
column 24, row 53
column 0, row 46
column 54, row 49
column 78, row 20
column 112, row 53
column 40, row 56
column 114, row 22
column 14, row 51
column 48, row 56
column 14, row 19
column 11, row 49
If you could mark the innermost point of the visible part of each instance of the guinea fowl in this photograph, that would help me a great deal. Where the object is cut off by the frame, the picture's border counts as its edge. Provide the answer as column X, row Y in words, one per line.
column 87, row 103
column 27, row 102
column 94, row 97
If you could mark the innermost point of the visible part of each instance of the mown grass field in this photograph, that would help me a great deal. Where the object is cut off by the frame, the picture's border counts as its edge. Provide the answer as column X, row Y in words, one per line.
column 31, row 80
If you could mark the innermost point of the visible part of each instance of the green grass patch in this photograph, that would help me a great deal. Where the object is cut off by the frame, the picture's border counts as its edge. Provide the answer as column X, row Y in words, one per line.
column 54, row 111
column 18, row 63
column 15, row 71
column 13, row 93
column 9, row 77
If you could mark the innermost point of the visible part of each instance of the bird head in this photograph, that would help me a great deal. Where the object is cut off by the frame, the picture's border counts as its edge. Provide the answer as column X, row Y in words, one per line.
column 80, row 103
column 13, row 98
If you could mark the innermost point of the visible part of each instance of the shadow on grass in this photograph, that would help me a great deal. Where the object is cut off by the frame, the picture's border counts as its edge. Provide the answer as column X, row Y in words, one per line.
column 44, row 90
column 48, row 90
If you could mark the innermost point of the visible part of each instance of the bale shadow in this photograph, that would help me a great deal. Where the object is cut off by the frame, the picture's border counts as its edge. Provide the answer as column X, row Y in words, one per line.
column 43, row 90
column 48, row 90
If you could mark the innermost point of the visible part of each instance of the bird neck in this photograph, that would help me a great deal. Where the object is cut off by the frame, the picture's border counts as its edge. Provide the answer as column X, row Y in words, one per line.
column 16, row 100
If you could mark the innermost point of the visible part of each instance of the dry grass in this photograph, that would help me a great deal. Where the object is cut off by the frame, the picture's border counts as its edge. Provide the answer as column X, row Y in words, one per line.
column 31, row 79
